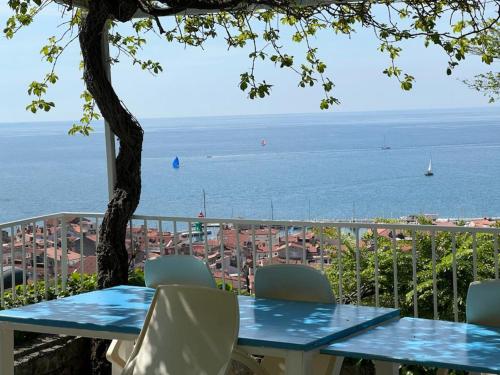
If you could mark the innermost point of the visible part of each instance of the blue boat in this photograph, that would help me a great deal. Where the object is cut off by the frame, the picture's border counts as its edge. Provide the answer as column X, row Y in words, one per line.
column 176, row 163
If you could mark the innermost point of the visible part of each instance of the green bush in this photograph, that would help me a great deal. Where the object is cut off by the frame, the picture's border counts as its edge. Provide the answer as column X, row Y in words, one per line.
column 220, row 285
column 31, row 293
column 136, row 277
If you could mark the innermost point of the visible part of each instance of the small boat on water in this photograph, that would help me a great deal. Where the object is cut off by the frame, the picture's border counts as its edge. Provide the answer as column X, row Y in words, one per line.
column 263, row 142
column 176, row 164
column 429, row 170
column 385, row 146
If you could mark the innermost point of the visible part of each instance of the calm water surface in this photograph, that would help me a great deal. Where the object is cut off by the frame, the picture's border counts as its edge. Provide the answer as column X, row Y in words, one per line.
column 319, row 166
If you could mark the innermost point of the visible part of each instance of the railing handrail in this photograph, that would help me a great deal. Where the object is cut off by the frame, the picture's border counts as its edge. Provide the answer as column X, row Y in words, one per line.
column 30, row 220
column 274, row 223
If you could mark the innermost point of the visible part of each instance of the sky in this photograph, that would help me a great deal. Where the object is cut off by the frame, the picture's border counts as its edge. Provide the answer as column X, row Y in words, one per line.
column 204, row 82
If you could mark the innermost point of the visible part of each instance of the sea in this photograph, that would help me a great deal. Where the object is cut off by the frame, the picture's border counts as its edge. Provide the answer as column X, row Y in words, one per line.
column 290, row 166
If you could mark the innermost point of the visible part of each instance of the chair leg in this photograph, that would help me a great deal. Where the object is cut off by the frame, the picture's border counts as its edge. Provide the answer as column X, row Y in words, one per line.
column 297, row 362
column 118, row 353
column 386, row 368
column 244, row 358
column 335, row 366
column 6, row 351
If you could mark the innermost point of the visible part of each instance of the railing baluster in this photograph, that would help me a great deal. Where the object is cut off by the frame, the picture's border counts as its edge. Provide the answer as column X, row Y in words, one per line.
column 190, row 235
column 176, row 248
column 340, row 264
column 161, row 248
column 270, row 244
column 222, row 255
column 205, row 235
column 321, row 245
column 455, row 287
column 395, row 268
column 23, row 255
column 414, row 269
column 82, row 241
column 254, row 250
column 97, row 245
column 33, row 259
column 45, row 270
column 375, row 249
column 474, row 255
column 132, row 247
column 434, row 277
column 56, row 274
column 13, row 268
column 64, row 253
column 495, row 255
column 287, row 255
column 358, row 268
column 146, row 241
column 238, row 252
column 304, row 247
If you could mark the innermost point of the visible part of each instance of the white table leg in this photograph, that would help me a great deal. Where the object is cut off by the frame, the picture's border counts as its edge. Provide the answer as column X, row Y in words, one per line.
column 6, row 351
column 297, row 362
column 115, row 369
column 337, row 367
column 386, row 368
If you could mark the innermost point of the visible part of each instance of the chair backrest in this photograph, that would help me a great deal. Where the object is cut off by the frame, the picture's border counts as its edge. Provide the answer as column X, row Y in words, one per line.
column 483, row 303
column 188, row 330
column 293, row 282
column 177, row 269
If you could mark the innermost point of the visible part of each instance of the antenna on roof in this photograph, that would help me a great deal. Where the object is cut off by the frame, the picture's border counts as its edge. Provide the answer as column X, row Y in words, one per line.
column 309, row 209
column 204, row 203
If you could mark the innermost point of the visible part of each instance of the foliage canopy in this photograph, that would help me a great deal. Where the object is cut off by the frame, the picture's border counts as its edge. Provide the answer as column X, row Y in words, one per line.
column 457, row 27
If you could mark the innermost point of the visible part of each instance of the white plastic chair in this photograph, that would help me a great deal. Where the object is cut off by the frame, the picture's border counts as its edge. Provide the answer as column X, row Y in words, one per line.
column 181, row 270
column 165, row 270
column 293, row 282
column 296, row 282
column 483, row 303
column 188, row 330
column 177, row 269
column 482, row 306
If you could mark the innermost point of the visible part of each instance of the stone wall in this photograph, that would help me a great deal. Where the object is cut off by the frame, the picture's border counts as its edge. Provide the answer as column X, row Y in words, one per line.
column 63, row 355
column 53, row 355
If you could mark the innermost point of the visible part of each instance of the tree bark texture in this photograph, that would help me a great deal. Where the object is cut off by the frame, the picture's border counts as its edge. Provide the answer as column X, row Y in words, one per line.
column 112, row 256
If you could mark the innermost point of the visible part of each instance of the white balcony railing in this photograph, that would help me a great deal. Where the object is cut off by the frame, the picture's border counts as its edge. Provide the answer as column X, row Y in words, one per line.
column 413, row 267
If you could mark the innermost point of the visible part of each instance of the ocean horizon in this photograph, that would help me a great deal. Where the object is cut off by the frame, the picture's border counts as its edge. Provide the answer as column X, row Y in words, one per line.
column 289, row 166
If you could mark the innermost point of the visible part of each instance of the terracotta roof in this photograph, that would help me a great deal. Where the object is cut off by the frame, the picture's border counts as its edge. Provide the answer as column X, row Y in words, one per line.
column 89, row 265
column 51, row 253
column 482, row 223
column 263, row 231
column 445, row 224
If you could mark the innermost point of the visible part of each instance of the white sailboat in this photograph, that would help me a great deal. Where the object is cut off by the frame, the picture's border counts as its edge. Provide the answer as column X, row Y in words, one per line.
column 385, row 146
column 429, row 169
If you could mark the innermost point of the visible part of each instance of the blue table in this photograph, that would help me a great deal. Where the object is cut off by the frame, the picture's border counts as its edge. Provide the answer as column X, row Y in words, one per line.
column 269, row 327
column 433, row 343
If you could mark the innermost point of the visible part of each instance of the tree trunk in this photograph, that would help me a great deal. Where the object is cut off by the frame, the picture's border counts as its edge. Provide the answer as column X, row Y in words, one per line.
column 112, row 256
